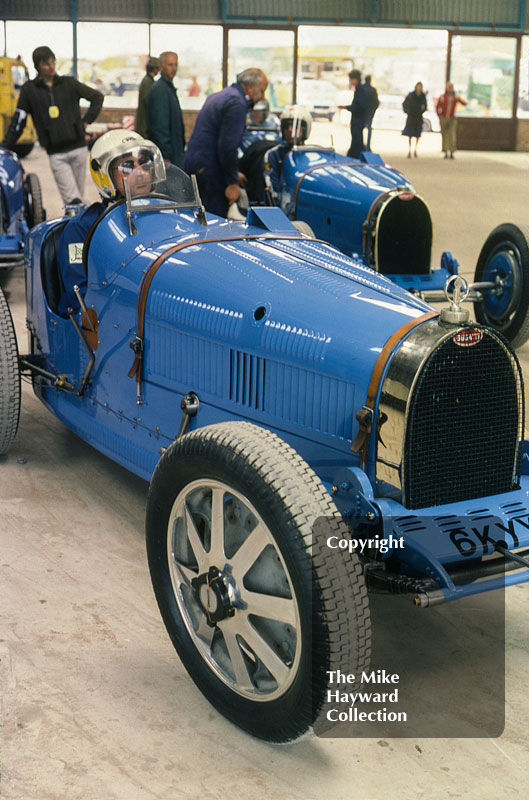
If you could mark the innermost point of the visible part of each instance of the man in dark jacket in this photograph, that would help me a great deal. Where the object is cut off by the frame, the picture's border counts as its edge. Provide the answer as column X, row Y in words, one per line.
column 212, row 150
column 53, row 102
column 359, row 108
column 374, row 102
column 153, row 68
column 165, row 125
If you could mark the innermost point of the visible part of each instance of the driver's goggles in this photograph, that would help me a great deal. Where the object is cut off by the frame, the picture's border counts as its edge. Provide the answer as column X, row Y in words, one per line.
column 127, row 167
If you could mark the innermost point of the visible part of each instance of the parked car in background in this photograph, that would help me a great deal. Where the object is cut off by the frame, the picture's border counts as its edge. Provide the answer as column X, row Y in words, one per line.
column 372, row 212
column 20, row 208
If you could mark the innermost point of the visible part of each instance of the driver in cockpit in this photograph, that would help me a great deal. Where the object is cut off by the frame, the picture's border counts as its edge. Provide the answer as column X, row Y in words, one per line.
column 296, row 124
column 116, row 155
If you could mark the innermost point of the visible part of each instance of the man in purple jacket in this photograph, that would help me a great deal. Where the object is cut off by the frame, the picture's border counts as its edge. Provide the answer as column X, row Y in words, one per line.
column 211, row 153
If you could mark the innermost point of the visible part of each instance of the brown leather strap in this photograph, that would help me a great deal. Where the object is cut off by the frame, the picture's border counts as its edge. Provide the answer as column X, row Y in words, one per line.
column 89, row 327
column 320, row 166
column 365, row 414
column 137, row 343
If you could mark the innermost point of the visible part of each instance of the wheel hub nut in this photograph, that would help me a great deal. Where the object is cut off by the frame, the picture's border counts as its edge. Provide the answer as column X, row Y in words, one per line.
column 211, row 592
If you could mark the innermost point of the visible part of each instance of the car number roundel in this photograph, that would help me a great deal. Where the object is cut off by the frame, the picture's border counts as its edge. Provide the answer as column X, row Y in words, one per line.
column 468, row 338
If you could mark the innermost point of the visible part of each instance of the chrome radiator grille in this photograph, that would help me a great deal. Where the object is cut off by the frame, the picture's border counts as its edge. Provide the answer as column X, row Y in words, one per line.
column 463, row 423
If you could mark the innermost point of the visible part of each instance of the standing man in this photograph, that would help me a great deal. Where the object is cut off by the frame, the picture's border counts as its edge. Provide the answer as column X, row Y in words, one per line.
column 153, row 68
column 446, row 109
column 212, row 150
column 53, row 102
column 165, row 125
column 359, row 109
column 374, row 102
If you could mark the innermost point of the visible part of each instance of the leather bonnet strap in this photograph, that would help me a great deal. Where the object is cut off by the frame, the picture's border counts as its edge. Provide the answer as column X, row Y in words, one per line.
column 365, row 414
column 137, row 342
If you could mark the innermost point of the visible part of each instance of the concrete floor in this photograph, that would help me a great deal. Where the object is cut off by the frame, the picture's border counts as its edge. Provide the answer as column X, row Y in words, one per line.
column 95, row 703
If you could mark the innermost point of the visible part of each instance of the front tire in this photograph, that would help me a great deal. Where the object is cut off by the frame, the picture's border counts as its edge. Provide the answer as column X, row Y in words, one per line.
column 255, row 603
column 35, row 212
column 9, row 378
column 504, row 260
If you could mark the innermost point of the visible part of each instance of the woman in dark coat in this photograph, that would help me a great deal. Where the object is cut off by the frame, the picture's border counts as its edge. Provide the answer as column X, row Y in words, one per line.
column 414, row 107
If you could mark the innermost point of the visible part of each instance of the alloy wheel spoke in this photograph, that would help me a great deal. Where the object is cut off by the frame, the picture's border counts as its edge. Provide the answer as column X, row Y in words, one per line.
column 238, row 663
column 263, row 651
column 194, row 540
column 205, row 632
column 216, row 552
column 281, row 609
column 185, row 574
column 249, row 552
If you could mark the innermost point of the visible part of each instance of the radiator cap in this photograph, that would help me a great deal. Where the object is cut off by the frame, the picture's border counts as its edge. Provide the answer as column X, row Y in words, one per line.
column 458, row 288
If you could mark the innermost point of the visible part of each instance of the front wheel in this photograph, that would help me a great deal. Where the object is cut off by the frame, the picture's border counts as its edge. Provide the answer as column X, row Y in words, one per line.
column 256, row 604
column 9, row 378
column 504, row 261
column 35, row 212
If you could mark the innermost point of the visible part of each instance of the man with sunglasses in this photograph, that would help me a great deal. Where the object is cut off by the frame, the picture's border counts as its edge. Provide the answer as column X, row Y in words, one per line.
column 116, row 156
column 53, row 102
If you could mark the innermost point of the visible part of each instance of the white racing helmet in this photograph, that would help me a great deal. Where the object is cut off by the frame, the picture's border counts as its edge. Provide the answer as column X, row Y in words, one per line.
column 116, row 144
column 300, row 119
column 258, row 113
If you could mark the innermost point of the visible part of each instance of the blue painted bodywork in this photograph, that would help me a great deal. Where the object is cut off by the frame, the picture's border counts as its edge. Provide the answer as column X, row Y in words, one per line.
column 336, row 194
column 13, row 226
column 339, row 185
column 278, row 330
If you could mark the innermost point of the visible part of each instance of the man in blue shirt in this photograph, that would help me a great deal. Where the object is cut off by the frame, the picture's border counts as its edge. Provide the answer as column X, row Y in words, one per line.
column 211, row 153
column 165, row 125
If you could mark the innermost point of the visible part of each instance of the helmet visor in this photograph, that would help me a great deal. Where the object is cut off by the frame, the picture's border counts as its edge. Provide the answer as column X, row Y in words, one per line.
column 142, row 167
column 297, row 126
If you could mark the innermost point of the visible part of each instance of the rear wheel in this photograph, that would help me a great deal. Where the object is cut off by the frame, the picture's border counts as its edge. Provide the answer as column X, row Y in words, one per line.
column 9, row 378
column 504, row 261
column 256, row 604
column 303, row 227
column 34, row 209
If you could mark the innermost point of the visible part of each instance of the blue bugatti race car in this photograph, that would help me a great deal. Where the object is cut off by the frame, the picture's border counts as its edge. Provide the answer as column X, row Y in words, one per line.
column 372, row 212
column 20, row 208
column 297, row 416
